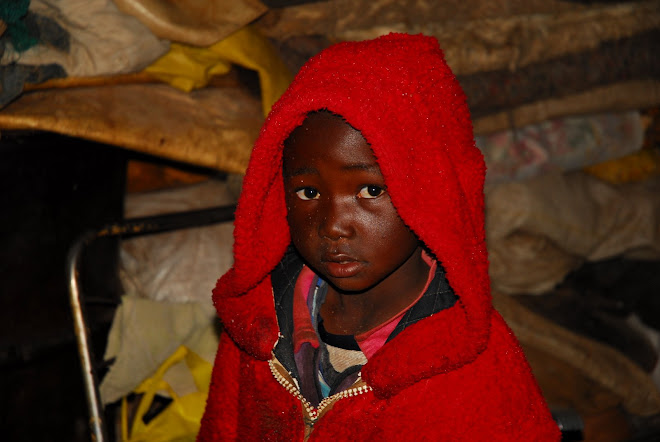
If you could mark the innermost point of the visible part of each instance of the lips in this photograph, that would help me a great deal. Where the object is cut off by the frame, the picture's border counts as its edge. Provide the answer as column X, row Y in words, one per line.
column 340, row 265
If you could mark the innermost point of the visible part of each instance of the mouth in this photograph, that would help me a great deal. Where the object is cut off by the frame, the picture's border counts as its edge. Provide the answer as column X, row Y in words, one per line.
column 340, row 265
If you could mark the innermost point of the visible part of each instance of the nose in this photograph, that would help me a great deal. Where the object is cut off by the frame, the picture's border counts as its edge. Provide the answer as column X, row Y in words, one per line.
column 335, row 220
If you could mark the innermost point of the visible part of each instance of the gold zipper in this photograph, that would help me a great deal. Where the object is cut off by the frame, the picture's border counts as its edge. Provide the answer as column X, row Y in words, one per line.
column 313, row 414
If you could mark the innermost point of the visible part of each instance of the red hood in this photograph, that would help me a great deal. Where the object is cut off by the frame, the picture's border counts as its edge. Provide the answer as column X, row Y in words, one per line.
column 399, row 92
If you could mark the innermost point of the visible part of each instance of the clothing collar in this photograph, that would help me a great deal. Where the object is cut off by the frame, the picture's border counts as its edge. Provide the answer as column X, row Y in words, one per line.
column 437, row 299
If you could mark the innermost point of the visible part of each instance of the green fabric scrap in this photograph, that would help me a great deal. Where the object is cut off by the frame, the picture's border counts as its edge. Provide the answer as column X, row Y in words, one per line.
column 13, row 13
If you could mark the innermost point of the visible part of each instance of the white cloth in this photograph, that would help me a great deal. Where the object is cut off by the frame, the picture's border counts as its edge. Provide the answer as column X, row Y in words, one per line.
column 168, row 279
column 145, row 333
column 539, row 230
column 104, row 41
column 183, row 265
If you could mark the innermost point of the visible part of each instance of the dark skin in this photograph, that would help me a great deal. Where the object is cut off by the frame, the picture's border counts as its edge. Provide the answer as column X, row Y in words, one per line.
column 345, row 227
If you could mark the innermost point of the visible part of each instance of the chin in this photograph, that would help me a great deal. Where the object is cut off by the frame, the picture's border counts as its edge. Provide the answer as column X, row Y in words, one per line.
column 348, row 286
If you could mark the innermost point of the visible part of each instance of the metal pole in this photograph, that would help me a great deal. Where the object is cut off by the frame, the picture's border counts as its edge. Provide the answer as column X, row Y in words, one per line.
column 96, row 419
column 128, row 228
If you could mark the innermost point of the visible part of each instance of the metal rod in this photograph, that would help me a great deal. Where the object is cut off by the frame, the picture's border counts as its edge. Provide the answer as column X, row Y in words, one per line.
column 127, row 228
column 96, row 420
column 168, row 222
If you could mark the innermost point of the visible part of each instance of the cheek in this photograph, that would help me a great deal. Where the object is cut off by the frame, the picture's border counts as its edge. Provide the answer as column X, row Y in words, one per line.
column 301, row 225
column 395, row 235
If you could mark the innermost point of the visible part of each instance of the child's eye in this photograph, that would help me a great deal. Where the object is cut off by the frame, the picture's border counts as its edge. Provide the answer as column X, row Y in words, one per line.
column 371, row 191
column 308, row 193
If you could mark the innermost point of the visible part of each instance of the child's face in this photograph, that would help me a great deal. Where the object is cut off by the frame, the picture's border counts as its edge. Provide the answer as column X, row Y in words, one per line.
column 340, row 215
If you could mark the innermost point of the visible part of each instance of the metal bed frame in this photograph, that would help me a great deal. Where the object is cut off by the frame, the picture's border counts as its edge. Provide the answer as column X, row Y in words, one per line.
column 125, row 229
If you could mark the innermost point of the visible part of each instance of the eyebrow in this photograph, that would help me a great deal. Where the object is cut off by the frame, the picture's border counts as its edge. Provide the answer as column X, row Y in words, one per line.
column 313, row 171
column 362, row 166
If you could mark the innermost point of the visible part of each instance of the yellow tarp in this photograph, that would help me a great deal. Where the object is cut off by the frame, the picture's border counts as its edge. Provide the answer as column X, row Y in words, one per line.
column 189, row 67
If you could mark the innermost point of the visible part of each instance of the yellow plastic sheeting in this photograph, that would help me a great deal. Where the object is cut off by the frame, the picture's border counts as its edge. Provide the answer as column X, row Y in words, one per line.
column 181, row 419
column 630, row 168
column 188, row 67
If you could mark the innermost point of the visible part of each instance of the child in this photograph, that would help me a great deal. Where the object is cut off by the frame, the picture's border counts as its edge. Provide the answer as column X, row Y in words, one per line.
column 359, row 303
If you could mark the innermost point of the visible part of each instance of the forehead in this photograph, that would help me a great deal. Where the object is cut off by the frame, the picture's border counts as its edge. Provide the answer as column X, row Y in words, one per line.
column 324, row 136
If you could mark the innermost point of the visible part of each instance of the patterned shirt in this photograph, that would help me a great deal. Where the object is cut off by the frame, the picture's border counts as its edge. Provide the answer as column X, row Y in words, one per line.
column 329, row 363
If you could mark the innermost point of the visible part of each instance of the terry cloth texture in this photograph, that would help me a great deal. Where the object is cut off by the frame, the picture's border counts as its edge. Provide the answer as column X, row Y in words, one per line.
column 471, row 382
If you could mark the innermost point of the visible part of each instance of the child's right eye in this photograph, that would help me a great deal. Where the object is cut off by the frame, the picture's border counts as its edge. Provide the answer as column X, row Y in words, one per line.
column 308, row 193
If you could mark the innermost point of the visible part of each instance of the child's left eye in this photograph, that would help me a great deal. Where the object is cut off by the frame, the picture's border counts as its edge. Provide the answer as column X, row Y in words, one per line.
column 371, row 191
